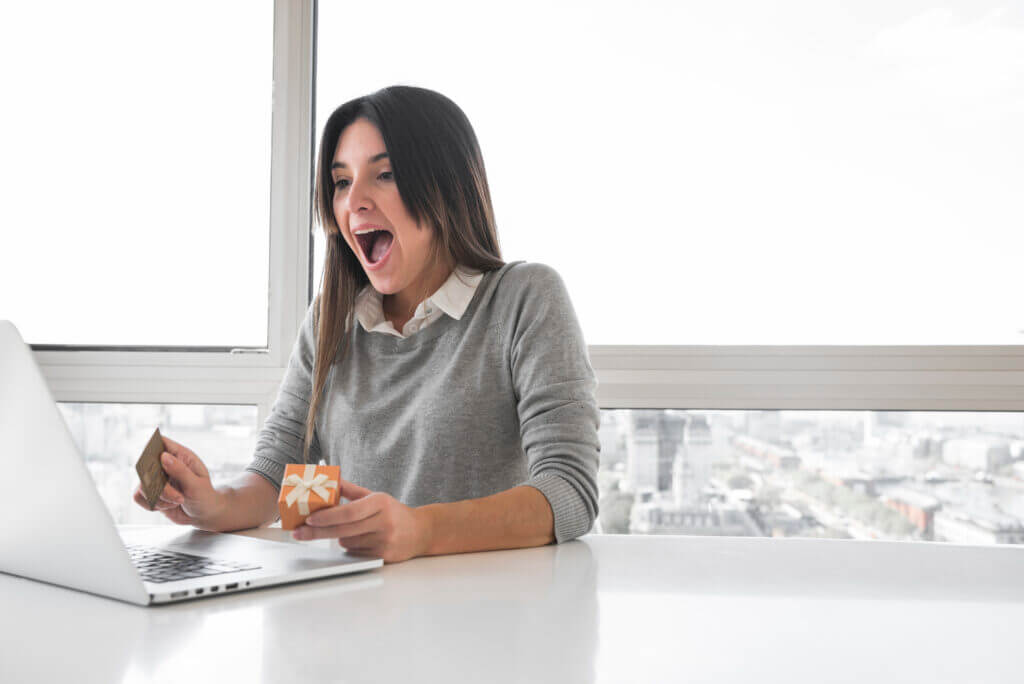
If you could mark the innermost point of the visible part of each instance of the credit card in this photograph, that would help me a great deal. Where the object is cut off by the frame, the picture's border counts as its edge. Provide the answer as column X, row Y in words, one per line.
column 152, row 476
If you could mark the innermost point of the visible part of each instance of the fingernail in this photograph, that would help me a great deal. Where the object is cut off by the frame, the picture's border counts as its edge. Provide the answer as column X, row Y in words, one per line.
column 166, row 458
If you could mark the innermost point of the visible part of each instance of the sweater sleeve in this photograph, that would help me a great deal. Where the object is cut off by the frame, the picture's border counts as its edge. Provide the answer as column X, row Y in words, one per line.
column 282, row 436
column 555, row 390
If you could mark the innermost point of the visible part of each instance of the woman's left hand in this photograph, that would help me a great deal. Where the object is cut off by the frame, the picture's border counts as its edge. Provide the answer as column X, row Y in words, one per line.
column 371, row 523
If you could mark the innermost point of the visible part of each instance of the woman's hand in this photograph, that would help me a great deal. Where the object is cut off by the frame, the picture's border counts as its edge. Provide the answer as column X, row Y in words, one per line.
column 372, row 523
column 189, row 497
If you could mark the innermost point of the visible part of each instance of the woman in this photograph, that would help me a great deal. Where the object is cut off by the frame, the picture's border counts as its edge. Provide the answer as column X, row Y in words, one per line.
column 462, row 421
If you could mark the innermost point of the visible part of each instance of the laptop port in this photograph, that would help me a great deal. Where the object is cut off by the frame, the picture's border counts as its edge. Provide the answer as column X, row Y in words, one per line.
column 178, row 594
column 199, row 591
column 213, row 589
column 233, row 585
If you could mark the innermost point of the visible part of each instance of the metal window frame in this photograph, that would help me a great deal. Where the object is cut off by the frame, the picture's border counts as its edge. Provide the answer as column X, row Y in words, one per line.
column 946, row 378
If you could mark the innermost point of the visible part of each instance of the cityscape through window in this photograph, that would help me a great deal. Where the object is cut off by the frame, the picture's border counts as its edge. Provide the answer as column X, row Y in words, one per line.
column 921, row 476
column 886, row 475
column 111, row 438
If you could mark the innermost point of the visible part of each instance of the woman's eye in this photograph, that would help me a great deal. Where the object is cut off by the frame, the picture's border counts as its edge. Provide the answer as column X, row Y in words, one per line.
column 338, row 184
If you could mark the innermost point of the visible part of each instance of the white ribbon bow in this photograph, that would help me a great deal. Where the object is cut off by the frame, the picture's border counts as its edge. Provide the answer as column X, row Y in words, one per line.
column 309, row 481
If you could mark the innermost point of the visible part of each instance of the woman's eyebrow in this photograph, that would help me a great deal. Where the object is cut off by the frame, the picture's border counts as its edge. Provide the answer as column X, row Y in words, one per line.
column 374, row 158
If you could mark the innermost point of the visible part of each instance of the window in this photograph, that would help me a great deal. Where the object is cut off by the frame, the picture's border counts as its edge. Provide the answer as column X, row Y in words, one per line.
column 210, row 383
column 908, row 476
column 739, row 173
column 757, row 175
column 767, row 202
column 137, row 173
column 111, row 438
column 815, row 201
column 231, row 178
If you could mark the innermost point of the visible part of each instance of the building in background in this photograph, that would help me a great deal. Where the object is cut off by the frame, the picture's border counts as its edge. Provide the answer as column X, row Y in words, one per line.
column 962, row 526
column 652, row 440
column 691, row 468
column 976, row 453
column 916, row 507
column 688, row 505
column 839, row 474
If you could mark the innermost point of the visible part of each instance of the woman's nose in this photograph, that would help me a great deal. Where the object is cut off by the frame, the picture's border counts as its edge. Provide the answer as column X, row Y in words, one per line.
column 358, row 198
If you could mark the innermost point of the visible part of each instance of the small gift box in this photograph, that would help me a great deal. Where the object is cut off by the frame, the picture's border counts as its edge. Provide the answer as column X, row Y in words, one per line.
column 304, row 489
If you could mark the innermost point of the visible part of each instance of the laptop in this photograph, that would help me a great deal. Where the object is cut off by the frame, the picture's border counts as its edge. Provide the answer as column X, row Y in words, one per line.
column 55, row 527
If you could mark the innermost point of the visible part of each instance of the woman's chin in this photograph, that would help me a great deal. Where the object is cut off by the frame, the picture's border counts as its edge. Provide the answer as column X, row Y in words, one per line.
column 382, row 283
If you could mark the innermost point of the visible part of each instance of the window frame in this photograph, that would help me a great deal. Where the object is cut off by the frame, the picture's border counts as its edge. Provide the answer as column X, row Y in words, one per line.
column 943, row 378
column 876, row 378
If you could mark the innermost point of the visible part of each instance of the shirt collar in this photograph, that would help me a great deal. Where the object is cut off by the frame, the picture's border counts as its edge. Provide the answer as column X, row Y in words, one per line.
column 453, row 298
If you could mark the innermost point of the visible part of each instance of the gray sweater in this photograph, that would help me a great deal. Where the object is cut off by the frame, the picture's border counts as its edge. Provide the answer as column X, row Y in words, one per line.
column 504, row 396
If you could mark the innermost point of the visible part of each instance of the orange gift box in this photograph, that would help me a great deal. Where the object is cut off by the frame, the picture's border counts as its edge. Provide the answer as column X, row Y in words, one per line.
column 304, row 489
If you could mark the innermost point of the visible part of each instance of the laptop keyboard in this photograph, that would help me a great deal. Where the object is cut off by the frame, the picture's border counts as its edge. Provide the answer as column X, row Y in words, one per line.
column 160, row 565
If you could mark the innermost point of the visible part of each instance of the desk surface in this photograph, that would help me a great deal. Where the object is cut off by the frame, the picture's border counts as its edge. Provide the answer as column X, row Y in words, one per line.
column 599, row 609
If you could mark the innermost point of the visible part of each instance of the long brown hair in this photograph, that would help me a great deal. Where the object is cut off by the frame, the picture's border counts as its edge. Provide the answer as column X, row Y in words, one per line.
column 439, row 172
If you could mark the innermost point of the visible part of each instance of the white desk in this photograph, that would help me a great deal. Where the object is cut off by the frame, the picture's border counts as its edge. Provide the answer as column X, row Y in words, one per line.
column 599, row 609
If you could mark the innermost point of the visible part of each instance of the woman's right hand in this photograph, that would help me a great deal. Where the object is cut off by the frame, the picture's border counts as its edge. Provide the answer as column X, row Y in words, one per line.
column 189, row 497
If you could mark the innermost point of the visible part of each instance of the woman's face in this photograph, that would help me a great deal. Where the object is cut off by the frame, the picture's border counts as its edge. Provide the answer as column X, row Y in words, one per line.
column 365, row 195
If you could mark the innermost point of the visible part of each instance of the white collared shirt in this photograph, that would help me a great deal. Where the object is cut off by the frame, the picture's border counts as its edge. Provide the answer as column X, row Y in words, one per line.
column 451, row 298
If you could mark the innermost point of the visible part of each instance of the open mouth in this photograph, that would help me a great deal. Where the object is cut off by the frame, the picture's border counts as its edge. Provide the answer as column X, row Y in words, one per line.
column 375, row 245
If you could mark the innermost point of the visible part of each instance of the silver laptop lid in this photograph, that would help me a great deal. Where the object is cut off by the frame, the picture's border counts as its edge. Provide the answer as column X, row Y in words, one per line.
column 55, row 526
